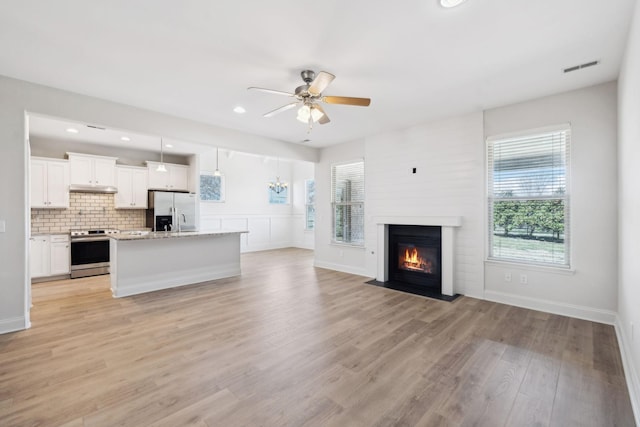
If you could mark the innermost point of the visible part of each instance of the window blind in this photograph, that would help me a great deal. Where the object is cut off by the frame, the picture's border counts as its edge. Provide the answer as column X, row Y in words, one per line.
column 528, row 197
column 347, row 197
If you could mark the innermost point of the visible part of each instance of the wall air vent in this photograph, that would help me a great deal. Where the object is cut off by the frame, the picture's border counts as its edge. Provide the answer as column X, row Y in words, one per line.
column 581, row 66
column 96, row 127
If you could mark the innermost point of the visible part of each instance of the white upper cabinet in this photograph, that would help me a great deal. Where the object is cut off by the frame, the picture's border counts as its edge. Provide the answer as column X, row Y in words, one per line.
column 92, row 170
column 49, row 183
column 132, row 187
column 176, row 178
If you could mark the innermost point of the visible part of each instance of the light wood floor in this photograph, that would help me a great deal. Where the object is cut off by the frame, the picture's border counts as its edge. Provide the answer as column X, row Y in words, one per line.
column 286, row 344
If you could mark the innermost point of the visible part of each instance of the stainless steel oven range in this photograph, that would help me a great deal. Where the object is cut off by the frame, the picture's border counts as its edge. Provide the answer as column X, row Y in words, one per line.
column 90, row 252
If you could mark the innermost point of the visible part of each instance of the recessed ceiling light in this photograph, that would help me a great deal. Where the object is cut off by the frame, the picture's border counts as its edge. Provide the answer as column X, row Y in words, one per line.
column 451, row 3
column 125, row 138
column 239, row 110
column 168, row 145
column 72, row 130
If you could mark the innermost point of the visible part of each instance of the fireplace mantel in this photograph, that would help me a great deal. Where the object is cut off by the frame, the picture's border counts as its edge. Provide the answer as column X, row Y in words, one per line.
column 443, row 221
column 448, row 224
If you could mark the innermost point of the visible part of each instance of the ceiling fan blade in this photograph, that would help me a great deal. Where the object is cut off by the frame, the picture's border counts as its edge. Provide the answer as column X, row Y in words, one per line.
column 320, row 83
column 347, row 100
column 280, row 110
column 324, row 119
column 277, row 92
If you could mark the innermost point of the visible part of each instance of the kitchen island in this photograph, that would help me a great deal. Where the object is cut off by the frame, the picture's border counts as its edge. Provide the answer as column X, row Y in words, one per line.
column 147, row 261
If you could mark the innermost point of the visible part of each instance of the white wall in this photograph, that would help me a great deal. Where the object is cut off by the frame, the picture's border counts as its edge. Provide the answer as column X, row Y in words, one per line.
column 449, row 159
column 629, row 212
column 328, row 255
column 591, row 291
column 18, row 97
column 449, row 162
column 246, row 202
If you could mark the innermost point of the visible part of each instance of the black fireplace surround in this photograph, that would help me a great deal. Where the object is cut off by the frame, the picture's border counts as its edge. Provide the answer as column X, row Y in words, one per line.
column 415, row 256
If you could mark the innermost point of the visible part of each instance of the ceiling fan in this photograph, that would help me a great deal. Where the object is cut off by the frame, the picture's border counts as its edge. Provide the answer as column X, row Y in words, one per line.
column 308, row 97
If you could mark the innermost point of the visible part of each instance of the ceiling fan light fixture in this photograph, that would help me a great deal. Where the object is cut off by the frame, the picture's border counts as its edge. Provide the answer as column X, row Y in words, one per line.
column 451, row 3
column 305, row 111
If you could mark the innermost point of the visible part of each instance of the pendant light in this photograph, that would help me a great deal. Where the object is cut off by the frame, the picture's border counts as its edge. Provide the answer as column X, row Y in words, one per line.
column 161, row 167
column 217, row 172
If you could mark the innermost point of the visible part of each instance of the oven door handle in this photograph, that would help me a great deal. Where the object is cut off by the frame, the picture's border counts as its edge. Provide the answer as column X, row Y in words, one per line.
column 89, row 239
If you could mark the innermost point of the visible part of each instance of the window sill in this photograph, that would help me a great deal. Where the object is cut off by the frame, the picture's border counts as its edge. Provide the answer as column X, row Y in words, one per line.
column 567, row 271
column 347, row 245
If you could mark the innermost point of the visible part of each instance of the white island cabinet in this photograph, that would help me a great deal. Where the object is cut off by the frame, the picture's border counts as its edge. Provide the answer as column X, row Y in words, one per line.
column 146, row 262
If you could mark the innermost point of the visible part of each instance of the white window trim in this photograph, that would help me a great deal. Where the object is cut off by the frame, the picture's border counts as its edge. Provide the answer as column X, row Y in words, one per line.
column 332, row 202
column 567, row 269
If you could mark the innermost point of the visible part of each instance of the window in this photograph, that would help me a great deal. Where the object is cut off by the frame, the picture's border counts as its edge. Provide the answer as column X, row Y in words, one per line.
column 310, row 204
column 347, row 200
column 528, row 197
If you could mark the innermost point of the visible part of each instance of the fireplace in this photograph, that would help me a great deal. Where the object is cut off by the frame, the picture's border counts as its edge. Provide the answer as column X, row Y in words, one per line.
column 445, row 264
column 415, row 256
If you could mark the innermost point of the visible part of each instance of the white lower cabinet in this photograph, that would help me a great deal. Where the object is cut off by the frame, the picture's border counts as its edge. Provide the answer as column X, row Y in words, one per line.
column 40, row 256
column 60, row 255
column 50, row 255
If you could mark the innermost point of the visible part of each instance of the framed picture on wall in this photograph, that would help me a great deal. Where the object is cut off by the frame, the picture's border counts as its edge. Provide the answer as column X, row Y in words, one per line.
column 212, row 187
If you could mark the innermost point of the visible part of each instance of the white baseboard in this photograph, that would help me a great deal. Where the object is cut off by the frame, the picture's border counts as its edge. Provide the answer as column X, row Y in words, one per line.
column 265, row 247
column 13, row 324
column 630, row 372
column 579, row 312
column 341, row 267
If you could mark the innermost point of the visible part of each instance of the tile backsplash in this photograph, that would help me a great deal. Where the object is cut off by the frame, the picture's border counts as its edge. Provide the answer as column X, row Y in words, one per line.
column 86, row 211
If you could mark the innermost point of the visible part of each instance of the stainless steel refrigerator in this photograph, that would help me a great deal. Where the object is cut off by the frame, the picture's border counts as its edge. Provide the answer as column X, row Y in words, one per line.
column 171, row 211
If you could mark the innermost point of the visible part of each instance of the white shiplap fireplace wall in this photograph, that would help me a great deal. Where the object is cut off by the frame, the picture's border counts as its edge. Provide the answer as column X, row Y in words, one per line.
column 448, row 156
column 448, row 226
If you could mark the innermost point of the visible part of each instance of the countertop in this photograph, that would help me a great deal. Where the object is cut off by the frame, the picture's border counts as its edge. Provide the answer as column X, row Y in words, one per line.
column 146, row 235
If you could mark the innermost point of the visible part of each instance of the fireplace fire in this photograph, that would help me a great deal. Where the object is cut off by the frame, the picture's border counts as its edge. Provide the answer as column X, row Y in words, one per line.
column 414, row 258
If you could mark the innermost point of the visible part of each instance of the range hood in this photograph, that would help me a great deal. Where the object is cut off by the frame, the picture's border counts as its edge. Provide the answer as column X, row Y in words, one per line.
column 76, row 188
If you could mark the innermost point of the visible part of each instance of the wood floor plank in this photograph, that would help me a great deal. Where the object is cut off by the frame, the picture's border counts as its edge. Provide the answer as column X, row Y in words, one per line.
column 287, row 344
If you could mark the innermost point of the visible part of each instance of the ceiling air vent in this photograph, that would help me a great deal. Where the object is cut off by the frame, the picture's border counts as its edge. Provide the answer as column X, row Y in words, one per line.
column 96, row 127
column 581, row 66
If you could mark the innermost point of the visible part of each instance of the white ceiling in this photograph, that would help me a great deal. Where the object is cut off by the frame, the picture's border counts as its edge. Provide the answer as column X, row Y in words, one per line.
column 55, row 128
column 416, row 60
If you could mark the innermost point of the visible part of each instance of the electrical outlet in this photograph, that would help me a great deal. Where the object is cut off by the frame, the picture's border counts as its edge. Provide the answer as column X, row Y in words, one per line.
column 523, row 279
column 341, row 252
column 507, row 277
